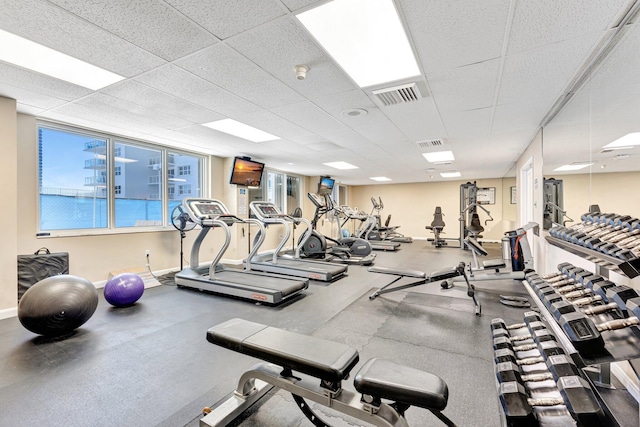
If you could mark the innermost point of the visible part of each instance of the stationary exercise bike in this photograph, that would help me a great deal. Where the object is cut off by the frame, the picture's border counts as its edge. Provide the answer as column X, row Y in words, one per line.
column 345, row 249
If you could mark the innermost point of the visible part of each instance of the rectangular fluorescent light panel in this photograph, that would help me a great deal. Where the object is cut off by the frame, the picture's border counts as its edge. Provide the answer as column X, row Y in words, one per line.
column 439, row 156
column 629, row 140
column 36, row 57
column 380, row 178
column 453, row 174
column 365, row 37
column 573, row 167
column 235, row 128
column 341, row 165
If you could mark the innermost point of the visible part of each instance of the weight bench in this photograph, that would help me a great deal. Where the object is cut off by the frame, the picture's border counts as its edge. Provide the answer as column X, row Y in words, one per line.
column 320, row 366
column 445, row 275
column 488, row 265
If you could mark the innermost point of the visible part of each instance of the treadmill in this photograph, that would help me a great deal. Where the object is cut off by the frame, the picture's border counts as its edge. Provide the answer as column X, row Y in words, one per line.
column 268, row 213
column 216, row 278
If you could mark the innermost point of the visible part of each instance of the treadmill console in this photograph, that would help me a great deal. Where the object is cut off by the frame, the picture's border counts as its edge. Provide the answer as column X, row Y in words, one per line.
column 268, row 210
column 207, row 209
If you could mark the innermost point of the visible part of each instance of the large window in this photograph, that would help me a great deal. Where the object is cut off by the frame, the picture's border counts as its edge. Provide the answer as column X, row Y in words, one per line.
column 279, row 188
column 92, row 181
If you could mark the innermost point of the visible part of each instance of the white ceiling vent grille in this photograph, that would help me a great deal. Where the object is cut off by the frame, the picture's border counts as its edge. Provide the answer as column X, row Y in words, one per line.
column 398, row 94
column 430, row 143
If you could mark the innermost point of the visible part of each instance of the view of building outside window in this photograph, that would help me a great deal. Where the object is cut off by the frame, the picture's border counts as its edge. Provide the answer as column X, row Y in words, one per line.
column 74, row 181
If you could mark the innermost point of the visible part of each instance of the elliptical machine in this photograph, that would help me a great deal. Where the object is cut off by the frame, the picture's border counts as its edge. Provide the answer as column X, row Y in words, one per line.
column 351, row 250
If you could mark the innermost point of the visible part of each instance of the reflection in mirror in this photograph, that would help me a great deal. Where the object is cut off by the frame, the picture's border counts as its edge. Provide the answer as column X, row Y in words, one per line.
column 592, row 146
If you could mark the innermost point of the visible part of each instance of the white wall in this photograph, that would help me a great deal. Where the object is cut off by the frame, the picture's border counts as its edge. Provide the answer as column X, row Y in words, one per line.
column 533, row 153
column 9, row 212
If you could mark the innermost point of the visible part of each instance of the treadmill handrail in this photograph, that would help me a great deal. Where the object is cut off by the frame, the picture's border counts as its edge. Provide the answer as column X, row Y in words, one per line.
column 283, row 219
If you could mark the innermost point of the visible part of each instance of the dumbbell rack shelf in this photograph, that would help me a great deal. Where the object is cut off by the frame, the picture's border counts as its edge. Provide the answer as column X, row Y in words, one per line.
column 604, row 261
column 620, row 345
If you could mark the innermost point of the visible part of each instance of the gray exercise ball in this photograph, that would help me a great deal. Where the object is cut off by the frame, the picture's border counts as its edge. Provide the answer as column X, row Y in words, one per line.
column 57, row 305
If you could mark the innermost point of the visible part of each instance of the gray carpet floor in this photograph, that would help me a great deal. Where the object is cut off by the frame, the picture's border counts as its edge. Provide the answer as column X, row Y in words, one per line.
column 150, row 364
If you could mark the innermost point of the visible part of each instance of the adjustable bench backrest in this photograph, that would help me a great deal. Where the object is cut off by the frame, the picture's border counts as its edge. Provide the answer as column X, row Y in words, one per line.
column 327, row 360
column 475, row 246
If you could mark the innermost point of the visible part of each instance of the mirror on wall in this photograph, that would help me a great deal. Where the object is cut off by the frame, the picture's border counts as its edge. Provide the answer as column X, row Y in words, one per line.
column 592, row 146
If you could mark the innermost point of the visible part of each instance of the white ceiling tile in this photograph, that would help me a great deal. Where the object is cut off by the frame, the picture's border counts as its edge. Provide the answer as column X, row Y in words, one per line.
column 463, row 126
column 280, row 45
column 309, row 139
column 226, row 18
column 150, row 24
column 323, row 146
column 49, row 25
column 517, row 116
column 544, row 22
column 453, row 33
column 540, row 75
column 336, row 103
column 377, row 127
column 404, row 118
column 622, row 65
column 348, row 138
column 30, row 81
column 28, row 109
column 148, row 97
column 294, row 5
column 465, row 88
column 310, row 117
column 226, row 68
column 182, row 84
column 106, row 109
column 273, row 124
column 33, row 99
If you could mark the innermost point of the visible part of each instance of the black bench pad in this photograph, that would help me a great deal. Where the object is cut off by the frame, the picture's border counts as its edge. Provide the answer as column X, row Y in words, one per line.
column 388, row 380
column 475, row 246
column 493, row 263
column 398, row 272
column 447, row 273
column 320, row 358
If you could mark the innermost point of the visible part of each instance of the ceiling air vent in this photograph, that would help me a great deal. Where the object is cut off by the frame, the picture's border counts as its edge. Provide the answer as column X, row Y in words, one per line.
column 430, row 143
column 398, row 94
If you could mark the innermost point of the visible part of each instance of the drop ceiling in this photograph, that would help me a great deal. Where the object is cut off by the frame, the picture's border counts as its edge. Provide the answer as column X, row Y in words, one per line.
column 490, row 72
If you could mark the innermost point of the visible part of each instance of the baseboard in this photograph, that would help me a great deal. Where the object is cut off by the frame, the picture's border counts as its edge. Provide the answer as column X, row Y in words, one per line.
column 630, row 383
column 8, row 312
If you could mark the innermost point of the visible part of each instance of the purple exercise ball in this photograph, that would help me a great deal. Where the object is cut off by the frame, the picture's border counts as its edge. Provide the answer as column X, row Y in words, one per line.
column 124, row 289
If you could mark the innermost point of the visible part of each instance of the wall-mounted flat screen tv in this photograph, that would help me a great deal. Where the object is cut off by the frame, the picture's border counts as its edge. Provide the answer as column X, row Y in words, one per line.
column 246, row 172
column 325, row 186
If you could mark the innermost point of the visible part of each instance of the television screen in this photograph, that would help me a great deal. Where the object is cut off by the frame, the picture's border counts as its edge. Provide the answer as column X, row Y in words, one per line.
column 246, row 172
column 325, row 186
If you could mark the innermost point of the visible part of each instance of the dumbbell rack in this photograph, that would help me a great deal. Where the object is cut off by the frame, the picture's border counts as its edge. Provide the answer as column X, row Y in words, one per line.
column 610, row 237
column 548, row 377
column 619, row 345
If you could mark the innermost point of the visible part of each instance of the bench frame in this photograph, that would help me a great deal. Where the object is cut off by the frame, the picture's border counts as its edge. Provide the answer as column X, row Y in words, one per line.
column 265, row 376
column 444, row 276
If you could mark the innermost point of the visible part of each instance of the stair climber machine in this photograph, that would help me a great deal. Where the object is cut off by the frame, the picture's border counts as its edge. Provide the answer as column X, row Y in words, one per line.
column 350, row 250
column 269, row 214
column 219, row 279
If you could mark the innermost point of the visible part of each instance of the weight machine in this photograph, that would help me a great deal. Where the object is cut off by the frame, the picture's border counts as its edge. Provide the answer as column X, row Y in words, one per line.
column 553, row 196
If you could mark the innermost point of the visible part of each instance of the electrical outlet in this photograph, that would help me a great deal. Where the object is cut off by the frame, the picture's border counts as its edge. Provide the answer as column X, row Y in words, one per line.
column 147, row 252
